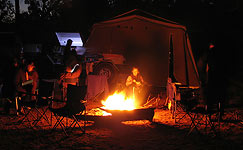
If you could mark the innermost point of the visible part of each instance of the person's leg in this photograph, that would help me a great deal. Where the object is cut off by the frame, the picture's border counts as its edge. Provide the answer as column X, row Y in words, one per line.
column 7, row 105
column 19, row 103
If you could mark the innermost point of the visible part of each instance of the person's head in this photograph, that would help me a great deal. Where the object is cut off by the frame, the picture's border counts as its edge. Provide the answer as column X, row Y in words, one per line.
column 135, row 71
column 69, row 42
column 169, row 80
column 30, row 66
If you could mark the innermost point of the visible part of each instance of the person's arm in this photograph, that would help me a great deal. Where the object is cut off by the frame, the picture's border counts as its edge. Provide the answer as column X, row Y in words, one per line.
column 19, row 78
column 141, row 80
column 75, row 74
column 129, row 81
column 139, row 83
column 174, row 89
column 35, row 79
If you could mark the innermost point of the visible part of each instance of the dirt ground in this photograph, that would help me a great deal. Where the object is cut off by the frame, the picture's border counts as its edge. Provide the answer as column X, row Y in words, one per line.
column 162, row 133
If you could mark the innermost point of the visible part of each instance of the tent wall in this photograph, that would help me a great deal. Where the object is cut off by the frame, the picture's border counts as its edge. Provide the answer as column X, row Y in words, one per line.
column 145, row 44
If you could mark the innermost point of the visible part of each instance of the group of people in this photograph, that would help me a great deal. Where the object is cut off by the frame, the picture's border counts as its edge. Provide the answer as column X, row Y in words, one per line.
column 21, row 80
column 73, row 69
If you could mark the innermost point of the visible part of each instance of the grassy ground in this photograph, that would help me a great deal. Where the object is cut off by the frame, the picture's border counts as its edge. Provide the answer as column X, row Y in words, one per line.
column 162, row 133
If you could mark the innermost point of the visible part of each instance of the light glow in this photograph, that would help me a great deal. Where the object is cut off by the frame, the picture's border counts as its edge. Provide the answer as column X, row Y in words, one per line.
column 119, row 101
column 63, row 38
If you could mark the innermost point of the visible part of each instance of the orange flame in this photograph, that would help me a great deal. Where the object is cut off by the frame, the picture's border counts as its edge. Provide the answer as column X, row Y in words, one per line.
column 119, row 101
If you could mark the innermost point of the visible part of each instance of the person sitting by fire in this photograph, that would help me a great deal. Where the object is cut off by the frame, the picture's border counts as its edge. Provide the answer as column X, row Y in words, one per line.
column 70, row 76
column 26, row 81
column 134, row 84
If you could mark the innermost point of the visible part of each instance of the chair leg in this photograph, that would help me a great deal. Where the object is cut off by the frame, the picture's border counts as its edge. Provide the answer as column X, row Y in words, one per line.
column 74, row 123
column 180, row 111
column 42, row 115
column 59, row 122
column 17, row 105
column 26, row 116
column 212, row 126
column 195, row 122
column 59, row 119
column 203, row 121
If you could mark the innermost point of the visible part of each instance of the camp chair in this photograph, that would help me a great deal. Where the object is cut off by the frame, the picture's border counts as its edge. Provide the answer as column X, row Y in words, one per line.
column 36, row 111
column 28, row 107
column 202, row 119
column 184, row 104
column 74, row 109
column 45, row 99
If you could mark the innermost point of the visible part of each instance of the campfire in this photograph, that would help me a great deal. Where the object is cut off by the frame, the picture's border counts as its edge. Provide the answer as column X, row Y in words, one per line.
column 120, row 107
column 119, row 101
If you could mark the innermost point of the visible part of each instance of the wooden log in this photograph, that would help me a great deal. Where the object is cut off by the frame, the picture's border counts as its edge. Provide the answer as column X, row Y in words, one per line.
column 130, row 115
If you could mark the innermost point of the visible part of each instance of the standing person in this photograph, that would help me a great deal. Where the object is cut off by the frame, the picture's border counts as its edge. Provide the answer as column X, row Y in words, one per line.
column 67, row 50
column 71, row 76
column 170, row 93
column 134, row 85
column 69, row 54
column 216, row 79
column 73, row 69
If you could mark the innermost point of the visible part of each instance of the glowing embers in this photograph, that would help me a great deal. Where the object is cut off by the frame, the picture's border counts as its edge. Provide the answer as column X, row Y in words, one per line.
column 97, row 112
column 119, row 101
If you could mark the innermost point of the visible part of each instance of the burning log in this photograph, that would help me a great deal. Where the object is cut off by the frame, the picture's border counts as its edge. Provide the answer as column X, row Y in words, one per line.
column 119, row 107
column 122, row 115
column 129, row 115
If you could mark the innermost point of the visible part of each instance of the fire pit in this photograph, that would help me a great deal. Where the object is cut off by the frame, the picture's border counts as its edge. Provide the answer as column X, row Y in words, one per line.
column 130, row 115
column 118, row 107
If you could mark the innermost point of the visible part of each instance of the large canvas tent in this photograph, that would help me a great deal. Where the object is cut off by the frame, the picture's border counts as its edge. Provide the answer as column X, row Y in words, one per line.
column 148, row 42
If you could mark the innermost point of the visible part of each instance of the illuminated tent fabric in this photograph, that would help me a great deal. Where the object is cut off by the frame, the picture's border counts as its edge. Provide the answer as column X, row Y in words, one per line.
column 145, row 42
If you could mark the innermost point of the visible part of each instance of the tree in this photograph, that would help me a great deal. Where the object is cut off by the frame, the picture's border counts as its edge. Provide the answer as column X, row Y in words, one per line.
column 44, row 10
column 7, row 12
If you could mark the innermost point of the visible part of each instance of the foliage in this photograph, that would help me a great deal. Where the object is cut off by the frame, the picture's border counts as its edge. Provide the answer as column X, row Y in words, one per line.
column 44, row 10
column 7, row 13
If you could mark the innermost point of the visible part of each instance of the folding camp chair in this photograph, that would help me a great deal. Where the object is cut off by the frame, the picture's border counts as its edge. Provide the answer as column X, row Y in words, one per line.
column 183, row 105
column 74, row 109
column 35, row 110
column 202, row 119
column 28, row 108
column 45, row 99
